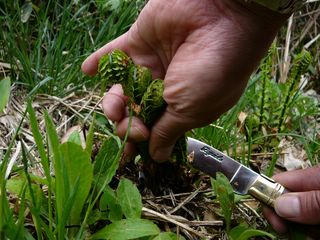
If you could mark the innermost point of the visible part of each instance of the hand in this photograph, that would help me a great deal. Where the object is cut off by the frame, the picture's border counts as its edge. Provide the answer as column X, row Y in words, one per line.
column 204, row 50
column 302, row 205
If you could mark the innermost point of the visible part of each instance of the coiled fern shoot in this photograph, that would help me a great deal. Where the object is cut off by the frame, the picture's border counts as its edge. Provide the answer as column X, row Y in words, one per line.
column 145, row 94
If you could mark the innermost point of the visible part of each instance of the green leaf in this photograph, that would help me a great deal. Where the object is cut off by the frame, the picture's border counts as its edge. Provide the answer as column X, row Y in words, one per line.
column 129, row 199
column 26, row 11
column 107, row 161
column 61, row 191
column 78, row 168
column 15, row 185
column 4, row 92
column 110, row 202
column 89, row 140
column 39, row 142
column 168, row 236
column 225, row 196
column 243, row 232
column 127, row 229
column 75, row 137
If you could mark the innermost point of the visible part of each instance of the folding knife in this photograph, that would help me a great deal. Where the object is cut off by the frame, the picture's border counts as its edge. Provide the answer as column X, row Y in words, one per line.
column 243, row 180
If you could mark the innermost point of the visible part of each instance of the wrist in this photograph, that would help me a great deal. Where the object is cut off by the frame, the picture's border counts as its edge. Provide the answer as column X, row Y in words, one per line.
column 260, row 14
column 280, row 6
column 256, row 14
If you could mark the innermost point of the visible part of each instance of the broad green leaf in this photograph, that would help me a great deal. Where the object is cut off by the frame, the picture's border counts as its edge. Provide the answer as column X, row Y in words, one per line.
column 4, row 92
column 15, row 185
column 243, row 232
column 168, row 236
column 129, row 199
column 107, row 161
column 78, row 168
column 110, row 202
column 127, row 229
column 225, row 196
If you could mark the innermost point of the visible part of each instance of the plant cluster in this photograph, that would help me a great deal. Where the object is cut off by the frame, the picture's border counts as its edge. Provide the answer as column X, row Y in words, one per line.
column 73, row 200
column 145, row 94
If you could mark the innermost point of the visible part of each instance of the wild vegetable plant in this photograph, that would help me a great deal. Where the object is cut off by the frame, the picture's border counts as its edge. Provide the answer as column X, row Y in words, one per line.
column 226, row 198
column 145, row 101
column 73, row 199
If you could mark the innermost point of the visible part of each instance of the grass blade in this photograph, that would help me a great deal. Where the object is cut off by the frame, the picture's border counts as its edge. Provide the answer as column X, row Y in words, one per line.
column 5, row 92
column 89, row 140
column 60, row 173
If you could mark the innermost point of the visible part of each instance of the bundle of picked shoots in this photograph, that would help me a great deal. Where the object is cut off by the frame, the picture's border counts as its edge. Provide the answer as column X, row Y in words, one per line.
column 146, row 102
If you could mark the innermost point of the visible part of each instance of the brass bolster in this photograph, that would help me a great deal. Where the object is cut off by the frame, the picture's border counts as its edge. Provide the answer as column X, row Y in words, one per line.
column 266, row 190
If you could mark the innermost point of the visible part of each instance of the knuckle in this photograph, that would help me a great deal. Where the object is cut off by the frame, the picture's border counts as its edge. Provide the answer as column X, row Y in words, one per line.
column 310, row 204
column 315, row 201
column 160, row 133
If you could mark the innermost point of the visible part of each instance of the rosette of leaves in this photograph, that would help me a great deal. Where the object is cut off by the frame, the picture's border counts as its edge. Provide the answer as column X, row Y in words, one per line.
column 113, row 68
column 145, row 94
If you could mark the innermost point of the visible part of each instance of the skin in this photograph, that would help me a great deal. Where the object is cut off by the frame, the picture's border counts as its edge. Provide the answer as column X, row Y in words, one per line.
column 205, row 51
column 305, row 185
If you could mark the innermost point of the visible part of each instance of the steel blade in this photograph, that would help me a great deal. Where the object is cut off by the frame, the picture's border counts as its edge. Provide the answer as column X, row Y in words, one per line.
column 210, row 160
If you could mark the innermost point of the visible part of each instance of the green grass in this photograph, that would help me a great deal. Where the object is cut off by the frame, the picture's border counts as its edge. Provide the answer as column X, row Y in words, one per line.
column 45, row 51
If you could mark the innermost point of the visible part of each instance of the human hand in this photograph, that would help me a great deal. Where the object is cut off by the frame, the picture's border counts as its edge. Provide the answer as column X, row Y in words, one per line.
column 302, row 205
column 204, row 50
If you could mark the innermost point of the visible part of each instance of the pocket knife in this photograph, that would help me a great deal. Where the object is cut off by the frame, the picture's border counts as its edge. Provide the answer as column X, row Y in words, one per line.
column 243, row 180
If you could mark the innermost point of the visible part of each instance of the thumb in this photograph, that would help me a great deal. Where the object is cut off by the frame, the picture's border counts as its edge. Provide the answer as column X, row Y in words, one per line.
column 303, row 207
column 165, row 133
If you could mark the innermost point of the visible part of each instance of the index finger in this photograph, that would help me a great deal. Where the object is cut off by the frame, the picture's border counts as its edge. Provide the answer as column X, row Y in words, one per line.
column 300, row 180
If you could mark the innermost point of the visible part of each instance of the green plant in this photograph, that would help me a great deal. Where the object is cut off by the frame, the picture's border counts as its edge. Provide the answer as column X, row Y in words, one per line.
column 300, row 66
column 5, row 92
column 226, row 199
column 73, row 200
column 44, row 44
column 145, row 94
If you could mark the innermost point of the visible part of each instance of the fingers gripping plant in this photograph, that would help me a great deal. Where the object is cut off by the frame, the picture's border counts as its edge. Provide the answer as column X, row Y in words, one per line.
column 145, row 94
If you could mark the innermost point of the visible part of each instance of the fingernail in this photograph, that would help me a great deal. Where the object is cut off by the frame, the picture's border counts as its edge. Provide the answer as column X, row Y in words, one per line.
column 162, row 154
column 137, row 134
column 288, row 206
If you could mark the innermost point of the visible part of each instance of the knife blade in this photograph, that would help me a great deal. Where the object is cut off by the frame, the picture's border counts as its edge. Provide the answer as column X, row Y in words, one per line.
column 243, row 180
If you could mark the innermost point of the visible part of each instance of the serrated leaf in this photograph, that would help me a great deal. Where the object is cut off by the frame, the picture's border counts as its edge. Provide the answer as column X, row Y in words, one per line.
column 127, row 229
column 129, row 199
column 4, row 92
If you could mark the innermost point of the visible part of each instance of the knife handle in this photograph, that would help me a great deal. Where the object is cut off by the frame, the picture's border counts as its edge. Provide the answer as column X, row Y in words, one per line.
column 267, row 190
